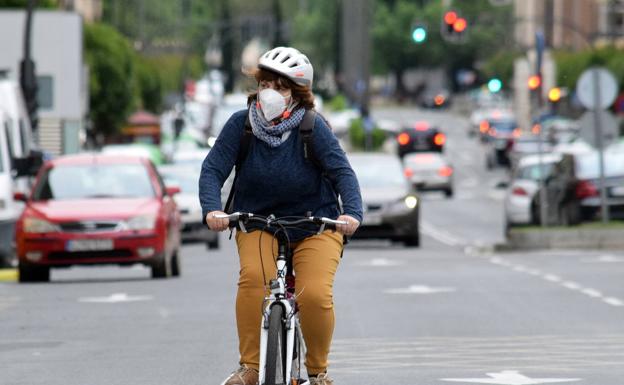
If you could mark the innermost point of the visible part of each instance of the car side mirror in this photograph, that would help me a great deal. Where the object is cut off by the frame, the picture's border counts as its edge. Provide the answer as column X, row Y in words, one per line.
column 173, row 190
column 19, row 196
column 29, row 165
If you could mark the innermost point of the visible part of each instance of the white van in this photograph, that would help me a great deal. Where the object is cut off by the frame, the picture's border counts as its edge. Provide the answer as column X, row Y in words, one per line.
column 17, row 161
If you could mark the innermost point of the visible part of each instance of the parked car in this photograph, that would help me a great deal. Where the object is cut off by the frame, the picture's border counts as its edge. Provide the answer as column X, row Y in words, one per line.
column 186, row 178
column 391, row 209
column 429, row 171
column 520, row 197
column 420, row 137
column 435, row 98
column 500, row 137
column 525, row 145
column 147, row 151
column 92, row 209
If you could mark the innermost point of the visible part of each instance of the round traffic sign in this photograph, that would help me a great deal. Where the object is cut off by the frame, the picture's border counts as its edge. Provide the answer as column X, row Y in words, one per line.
column 589, row 131
column 596, row 88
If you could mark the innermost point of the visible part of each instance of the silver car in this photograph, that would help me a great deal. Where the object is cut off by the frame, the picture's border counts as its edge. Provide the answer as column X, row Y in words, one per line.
column 391, row 209
column 186, row 177
column 429, row 171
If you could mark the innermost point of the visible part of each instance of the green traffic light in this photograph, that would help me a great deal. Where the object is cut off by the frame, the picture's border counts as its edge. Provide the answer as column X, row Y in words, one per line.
column 419, row 34
column 495, row 85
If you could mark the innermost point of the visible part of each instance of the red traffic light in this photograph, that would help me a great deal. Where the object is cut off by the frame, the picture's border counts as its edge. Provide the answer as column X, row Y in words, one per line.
column 450, row 17
column 534, row 82
column 460, row 25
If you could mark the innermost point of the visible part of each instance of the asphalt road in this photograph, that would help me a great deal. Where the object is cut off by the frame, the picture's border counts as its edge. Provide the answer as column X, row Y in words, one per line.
column 439, row 314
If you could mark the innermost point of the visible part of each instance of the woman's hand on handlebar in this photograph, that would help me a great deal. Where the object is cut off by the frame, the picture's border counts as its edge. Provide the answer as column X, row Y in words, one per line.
column 217, row 224
column 350, row 227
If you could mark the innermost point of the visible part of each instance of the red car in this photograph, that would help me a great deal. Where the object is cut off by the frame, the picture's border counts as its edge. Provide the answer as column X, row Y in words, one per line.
column 93, row 209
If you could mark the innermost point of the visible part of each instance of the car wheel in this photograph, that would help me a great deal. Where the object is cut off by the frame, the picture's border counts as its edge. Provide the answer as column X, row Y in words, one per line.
column 33, row 273
column 412, row 240
column 175, row 264
column 213, row 245
column 448, row 192
column 160, row 267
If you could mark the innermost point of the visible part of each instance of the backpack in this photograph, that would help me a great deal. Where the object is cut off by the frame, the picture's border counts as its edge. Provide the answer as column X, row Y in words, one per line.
column 306, row 129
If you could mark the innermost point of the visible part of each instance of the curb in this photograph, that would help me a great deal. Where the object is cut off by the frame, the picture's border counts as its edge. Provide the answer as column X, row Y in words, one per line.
column 570, row 238
column 8, row 275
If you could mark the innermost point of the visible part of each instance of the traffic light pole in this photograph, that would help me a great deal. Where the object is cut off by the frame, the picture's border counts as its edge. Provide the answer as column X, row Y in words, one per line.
column 28, row 80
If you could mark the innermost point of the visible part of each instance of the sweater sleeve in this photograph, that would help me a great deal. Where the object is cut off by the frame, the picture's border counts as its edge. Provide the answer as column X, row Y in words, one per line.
column 336, row 165
column 219, row 163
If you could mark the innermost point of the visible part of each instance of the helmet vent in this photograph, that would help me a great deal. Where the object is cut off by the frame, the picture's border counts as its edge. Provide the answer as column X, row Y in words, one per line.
column 275, row 55
column 284, row 59
column 292, row 65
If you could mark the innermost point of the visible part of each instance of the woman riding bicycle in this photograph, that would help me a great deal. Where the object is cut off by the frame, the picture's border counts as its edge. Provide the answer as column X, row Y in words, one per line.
column 277, row 178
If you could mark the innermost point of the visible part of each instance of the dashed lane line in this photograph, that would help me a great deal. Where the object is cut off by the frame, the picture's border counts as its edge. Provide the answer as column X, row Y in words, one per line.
column 552, row 278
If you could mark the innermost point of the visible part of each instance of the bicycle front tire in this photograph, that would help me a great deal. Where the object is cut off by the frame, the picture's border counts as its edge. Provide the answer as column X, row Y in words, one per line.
column 275, row 370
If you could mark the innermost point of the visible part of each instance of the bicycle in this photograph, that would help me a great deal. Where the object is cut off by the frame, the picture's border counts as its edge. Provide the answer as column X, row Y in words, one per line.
column 281, row 340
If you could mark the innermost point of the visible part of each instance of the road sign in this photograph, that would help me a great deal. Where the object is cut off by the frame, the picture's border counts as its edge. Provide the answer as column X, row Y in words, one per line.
column 597, row 88
column 589, row 131
column 510, row 377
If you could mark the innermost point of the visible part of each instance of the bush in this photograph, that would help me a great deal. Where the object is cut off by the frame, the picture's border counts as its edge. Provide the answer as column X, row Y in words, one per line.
column 338, row 103
column 357, row 136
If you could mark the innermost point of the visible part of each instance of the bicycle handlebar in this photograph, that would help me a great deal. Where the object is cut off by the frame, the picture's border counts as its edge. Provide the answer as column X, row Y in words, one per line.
column 240, row 219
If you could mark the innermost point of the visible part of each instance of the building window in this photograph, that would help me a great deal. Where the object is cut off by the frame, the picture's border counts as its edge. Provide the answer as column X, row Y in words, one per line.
column 45, row 94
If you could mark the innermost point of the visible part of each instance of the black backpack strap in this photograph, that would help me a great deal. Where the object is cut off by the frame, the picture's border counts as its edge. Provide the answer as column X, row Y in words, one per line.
column 306, row 129
column 243, row 150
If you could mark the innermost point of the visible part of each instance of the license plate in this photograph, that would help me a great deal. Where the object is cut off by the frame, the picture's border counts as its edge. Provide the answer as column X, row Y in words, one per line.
column 617, row 191
column 371, row 219
column 89, row 245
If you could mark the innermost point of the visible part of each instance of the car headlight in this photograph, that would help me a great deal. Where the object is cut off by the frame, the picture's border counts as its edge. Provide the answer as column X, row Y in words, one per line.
column 411, row 201
column 36, row 225
column 141, row 222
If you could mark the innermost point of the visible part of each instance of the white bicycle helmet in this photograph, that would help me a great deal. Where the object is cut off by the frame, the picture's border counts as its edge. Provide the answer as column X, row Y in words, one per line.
column 290, row 63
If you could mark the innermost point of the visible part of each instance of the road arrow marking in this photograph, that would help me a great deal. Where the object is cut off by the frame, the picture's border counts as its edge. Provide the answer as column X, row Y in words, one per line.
column 420, row 289
column 116, row 298
column 510, row 377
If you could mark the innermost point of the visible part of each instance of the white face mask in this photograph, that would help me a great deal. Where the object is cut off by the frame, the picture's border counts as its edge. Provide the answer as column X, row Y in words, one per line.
column 272, row 103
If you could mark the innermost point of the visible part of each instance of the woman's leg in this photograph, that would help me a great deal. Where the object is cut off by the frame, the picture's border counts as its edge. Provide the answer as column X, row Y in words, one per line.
column 315, row 261
column 252, row 290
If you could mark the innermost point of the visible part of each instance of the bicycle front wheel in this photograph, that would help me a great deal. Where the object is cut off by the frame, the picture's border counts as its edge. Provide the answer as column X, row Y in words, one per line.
column 275, row 370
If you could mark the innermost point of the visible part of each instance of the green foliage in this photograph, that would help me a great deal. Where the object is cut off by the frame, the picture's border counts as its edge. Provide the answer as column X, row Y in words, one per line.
column 173, row 69
column 149, row 84
column 570, row 65
column 23, row 3
column 338, row 103
column 112, row 85
column 357, row 136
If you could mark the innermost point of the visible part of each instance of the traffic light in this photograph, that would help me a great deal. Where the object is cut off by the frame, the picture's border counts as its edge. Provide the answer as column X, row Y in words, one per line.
column 419, row 33
column 554, row 95
column 495, row 85
column 453, row 26
column 534, row 82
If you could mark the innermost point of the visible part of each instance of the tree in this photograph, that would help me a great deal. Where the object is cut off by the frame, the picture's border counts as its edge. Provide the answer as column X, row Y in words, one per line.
column 23, row 3
column 112, row 86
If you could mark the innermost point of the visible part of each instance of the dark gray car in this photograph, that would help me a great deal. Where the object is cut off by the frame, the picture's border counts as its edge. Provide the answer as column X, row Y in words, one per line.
column 391, row 209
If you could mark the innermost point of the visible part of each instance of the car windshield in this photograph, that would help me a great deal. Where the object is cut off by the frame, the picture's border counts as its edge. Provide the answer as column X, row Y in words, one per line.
column 503, row 125
column 95, row 181
column 424, row 161
column 587, row 166
column 532, row 172
column 187, row 181
column 378, row 172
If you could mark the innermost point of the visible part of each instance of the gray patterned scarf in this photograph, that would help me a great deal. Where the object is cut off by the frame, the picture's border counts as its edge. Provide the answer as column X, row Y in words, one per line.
column 272, row 134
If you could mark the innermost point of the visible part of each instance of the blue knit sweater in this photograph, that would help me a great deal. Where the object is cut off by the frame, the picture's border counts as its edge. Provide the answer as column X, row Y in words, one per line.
column 280, row 180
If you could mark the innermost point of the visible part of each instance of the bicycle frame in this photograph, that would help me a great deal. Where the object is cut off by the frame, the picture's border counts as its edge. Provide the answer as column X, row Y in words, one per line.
column 279, row 297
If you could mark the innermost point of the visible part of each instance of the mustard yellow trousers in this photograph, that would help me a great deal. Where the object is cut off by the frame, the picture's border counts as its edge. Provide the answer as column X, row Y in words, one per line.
column 315, row 261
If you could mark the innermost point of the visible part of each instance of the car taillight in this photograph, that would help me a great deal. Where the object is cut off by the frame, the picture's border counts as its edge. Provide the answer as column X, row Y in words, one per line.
column 445, row 171
column 519, row 191
column 586, row 189
column 408, row 172
column 403, row 139
column 439, row 139
column 484, row 126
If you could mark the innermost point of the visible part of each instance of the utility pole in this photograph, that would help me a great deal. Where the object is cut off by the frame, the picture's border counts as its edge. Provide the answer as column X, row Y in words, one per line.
column 28, row 79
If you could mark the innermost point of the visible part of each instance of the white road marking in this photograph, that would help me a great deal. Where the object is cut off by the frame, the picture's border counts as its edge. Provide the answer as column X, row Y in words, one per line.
column 439, row 235
column 603, row 259
column 570, row 285
column 614, row 301
column 420, row 289
column 116, row 298
column 592, row 292
column 382, row 262
column 510, row 377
